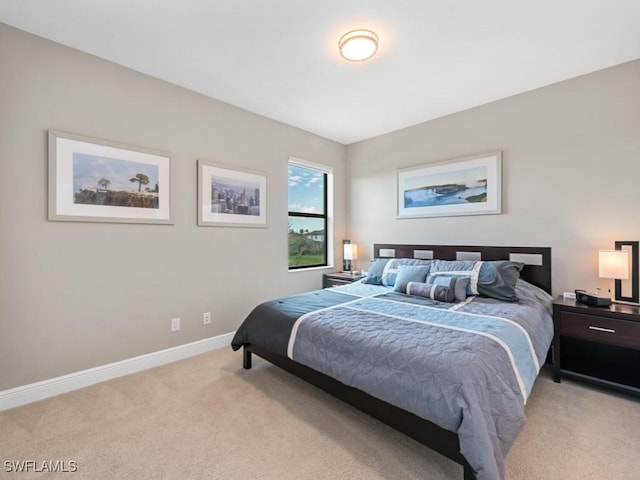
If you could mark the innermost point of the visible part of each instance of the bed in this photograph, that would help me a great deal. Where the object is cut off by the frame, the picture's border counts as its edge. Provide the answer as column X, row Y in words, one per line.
column 452, row 373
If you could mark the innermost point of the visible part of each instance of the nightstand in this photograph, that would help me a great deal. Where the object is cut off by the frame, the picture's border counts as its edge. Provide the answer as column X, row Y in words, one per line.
column 600, row 345
column 339, row 278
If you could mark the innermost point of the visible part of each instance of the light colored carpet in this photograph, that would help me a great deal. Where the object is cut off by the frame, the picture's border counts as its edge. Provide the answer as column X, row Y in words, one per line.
column 207, row 418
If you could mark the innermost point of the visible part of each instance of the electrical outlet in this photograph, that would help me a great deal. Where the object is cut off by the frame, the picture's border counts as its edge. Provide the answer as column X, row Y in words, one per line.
column 175, row 324
column 206, row 318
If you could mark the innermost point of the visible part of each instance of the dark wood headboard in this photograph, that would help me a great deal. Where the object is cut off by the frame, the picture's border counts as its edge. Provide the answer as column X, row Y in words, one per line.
column 537, row 260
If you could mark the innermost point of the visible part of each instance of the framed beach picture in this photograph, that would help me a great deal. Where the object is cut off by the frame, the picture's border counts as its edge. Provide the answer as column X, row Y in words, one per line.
column 466, row 186
column 231, row 197
column 93, row 180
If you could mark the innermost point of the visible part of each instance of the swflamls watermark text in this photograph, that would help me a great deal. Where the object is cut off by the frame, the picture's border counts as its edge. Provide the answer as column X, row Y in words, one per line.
column 40, row 466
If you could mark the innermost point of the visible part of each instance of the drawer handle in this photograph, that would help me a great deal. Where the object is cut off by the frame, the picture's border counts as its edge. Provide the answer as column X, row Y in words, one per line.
column 600, row 329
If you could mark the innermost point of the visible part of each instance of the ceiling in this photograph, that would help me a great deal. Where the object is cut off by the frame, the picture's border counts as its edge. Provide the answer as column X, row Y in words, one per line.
column 279, row 59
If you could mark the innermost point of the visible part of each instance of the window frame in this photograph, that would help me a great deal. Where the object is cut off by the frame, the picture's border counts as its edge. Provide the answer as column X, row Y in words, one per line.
column 327, row 216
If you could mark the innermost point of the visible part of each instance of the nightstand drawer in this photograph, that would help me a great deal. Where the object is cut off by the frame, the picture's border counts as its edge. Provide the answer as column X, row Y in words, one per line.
column 335, row 282
column 601, row 329
column 337, row 278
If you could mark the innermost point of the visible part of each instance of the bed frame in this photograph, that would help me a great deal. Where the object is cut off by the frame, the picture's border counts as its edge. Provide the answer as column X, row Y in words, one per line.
column 537, row 270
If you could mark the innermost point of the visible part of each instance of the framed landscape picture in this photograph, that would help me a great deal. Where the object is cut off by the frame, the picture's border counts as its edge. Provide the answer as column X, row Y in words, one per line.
column 231, row 197
column 466, row 186
column 93, row 180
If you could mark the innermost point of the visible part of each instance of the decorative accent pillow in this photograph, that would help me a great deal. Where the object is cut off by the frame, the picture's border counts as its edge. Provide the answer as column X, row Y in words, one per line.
column 495, row 279
column 458, row 283
column 410, row 273
column 390, row 272
column 376, row 268
column 459, row 268
column 498, row 279
column 430, row 290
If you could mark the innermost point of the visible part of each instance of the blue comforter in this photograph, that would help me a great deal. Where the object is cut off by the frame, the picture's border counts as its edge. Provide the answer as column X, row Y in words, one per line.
column 467, row 367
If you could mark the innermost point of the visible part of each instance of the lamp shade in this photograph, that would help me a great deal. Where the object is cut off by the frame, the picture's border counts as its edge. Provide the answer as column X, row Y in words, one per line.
column 613, row 264
column 350, row 251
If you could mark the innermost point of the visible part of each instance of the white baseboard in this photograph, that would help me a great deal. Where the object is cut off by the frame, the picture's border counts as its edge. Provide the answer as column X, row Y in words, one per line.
column 15, row 397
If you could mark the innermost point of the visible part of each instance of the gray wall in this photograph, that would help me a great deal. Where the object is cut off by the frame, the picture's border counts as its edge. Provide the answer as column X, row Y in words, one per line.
column 78, row 295
column 571, row 164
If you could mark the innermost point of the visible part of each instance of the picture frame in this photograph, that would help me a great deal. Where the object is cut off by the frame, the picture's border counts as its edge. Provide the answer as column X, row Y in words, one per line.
column 464, row 186
column 231, row 197
column 95, row 180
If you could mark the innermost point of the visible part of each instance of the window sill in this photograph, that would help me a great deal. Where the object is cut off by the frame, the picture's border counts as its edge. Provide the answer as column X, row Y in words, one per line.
column 324, row 267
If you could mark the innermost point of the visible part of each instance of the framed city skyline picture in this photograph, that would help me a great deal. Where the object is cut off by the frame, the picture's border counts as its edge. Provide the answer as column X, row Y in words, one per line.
column 231, row 197
column 94, row 180
column 465, row 186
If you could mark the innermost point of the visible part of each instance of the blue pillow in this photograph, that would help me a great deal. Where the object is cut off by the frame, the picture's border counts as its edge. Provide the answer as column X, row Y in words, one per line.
column 409, row 273
column 391, row 268
column 430, row 290
column 458, row 283
column 495, row 279
column 498, row 279
column 459, row 268
column 376, row 269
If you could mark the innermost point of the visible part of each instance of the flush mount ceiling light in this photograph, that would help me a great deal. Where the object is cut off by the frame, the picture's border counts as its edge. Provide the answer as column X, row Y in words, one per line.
column 358, row 45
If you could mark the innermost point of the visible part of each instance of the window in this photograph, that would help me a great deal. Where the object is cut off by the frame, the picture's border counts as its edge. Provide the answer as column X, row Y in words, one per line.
column 309, row 214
